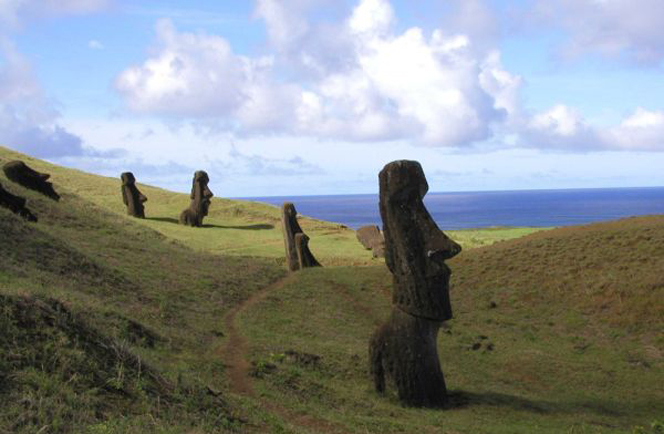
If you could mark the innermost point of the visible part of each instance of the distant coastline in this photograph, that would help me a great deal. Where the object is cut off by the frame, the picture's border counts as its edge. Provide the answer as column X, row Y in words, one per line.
column 484, row 209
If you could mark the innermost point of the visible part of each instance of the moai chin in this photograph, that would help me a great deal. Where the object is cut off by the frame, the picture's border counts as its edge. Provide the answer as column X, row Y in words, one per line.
column 131, row 196
column 21, row 173
column 405, row 347
column 15, row 204
column 298, row 255
column 200, row 201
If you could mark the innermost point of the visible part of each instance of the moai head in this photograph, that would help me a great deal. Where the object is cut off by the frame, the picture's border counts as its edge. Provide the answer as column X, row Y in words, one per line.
column 200, row 201
column 131, row 196
column 15, row 204
column 22, row 174
column 290, row 228
column 305, row 258
column 298, row 255
column 200, row 193
column 415, row 249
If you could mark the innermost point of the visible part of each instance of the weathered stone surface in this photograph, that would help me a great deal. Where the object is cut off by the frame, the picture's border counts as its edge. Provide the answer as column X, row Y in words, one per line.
column 372, row 239
column 404, row 348
column 131, row 196
column 298, row 255
column 22, row 174
column 15, row 204
column 305, row 258
column 200, row 201
column 415, row 249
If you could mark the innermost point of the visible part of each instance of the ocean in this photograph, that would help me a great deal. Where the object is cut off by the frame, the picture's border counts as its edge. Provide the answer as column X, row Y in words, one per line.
column 531, row 208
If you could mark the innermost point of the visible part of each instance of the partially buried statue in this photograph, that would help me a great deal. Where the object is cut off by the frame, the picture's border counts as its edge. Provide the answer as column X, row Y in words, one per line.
column 15, row 204
column 131, row 196
column 405, row 347
column 200, row 201
column 298, row 255
column 22, row 174
column 372, row 239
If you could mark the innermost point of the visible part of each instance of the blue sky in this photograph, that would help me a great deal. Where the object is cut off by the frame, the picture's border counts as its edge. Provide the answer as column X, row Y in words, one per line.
column 290, row 97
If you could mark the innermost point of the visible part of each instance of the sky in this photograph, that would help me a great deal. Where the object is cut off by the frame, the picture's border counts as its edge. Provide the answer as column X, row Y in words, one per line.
column 302, row 97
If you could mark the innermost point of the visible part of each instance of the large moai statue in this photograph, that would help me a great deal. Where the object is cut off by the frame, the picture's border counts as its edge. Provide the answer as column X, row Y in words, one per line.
column 200, row 201
column 15, row 204
column 404, row 348
column 22, row 174
column 131, row 196
column 298, row 255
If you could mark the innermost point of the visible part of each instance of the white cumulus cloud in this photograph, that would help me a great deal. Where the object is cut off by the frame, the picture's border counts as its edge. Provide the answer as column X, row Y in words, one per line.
column 373, row 84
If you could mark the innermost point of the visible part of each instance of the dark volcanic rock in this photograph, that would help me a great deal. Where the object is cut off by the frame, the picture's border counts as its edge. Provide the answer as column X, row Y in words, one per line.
column 16, row 204
column 415, row 249
column 372, row 239
column 131, row 196
column 200, row 201
column 22, row 174
column 298, row 255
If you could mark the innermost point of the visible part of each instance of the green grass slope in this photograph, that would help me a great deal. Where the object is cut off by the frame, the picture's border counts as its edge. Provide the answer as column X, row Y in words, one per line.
column 110, row 324
column 560, row 331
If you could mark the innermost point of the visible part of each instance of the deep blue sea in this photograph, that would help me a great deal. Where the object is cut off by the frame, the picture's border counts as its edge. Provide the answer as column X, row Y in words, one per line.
column 534, row 208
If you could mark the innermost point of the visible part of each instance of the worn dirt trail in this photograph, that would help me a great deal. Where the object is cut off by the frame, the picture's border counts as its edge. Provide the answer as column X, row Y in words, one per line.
column 236, row 348
column 235, row 354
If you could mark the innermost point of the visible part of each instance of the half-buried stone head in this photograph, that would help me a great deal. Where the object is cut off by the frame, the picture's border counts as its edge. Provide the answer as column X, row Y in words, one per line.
column 131, row 196
column 22, row 174
column 200, row 201
column 15, row 204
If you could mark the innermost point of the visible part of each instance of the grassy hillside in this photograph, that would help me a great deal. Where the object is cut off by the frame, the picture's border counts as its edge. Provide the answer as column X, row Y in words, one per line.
column 561, row 331
column 112, row 324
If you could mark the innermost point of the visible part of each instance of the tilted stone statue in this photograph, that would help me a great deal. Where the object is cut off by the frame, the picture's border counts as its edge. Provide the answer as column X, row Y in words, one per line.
column 22, row 174
column 298, row 255
column 131, row 196
column 372, row 239
column 200, row 201
column 405, row 347
column 15, row 204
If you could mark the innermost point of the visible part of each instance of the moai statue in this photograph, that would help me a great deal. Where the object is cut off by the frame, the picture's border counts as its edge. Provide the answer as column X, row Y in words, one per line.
column 22, row 174
column 131, row 196
column 298, row 255
column 372, row 239
column 405, row 347
column 16, row 204
column 200, row 201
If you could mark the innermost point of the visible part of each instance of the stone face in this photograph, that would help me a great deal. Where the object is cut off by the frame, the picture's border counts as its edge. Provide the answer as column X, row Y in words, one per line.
column 21, row 173
column 15, row 204
column 200, row 201
column 405, row 348
column 296, row 243
column 131, row 196
column 415, row 249
column 372, row 239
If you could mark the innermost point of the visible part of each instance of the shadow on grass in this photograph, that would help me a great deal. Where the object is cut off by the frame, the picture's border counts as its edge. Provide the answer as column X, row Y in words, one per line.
column 163, row 219
column 256, row 227
column 461, row 399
